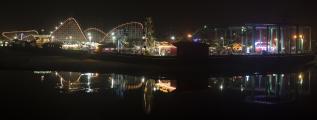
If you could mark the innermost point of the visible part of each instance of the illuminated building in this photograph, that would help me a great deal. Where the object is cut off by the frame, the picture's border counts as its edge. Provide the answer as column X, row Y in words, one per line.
column 259, row 38
column 165, row 49
column 266, row 88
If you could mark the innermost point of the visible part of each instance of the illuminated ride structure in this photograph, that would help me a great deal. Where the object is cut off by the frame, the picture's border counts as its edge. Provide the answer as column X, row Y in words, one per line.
column 257, row 38
column 20, row 35
column 127, row 37
column 95, row 35
column 70, row 33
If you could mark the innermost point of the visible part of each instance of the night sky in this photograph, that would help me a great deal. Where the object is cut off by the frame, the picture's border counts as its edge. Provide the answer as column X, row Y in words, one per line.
column 169, row 16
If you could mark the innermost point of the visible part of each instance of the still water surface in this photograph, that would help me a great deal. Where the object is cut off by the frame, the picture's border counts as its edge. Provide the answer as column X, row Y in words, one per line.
column 78, row 95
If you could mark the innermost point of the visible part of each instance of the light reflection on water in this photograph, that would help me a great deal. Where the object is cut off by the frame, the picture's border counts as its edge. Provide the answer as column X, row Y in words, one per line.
column 254, row 88
column 266, row 89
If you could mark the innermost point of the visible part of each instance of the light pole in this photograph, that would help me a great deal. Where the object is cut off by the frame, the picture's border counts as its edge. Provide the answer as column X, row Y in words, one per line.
column 52, row 38
column 301, row 42
column 89, row 38
column 114, row 40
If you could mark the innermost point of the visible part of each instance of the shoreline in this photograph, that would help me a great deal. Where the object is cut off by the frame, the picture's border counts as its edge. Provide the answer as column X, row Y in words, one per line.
column 79, row 61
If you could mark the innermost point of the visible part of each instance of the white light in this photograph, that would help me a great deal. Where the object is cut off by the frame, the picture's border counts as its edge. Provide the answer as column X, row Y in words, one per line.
column 89, row 37
column 61, row 23
column 173, row 38
column 221, row 87
column 112, row 33
column 51, row 32
column 53, row 37
column 143, row 37
column 15, row 37
column 112, row 82
column 247, row 78
column 42, row 77
column 56, row 28
column 143, row 79
column 70, row 37
column 301, row 82
column 89, row 34
column 113, row 37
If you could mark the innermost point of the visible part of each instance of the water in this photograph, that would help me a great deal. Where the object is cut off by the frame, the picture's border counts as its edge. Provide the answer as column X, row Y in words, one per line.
column 76, row 95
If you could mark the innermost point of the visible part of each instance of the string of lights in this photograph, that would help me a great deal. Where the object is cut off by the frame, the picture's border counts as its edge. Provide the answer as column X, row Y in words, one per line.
column 6, row 34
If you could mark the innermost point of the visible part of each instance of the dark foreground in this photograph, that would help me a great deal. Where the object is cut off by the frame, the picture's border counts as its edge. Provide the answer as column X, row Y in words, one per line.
column 98, row 96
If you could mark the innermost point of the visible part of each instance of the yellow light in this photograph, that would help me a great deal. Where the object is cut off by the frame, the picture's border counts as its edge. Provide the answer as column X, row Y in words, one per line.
column 189, row 35
column 301, row 36
column 300, row 76
column 295, row 36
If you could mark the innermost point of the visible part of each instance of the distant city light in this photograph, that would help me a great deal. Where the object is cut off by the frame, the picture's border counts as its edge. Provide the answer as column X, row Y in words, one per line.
column 300, row 76
column 189, row 35
column 221, row 87
column 173, row 38
column 242, row 88
column 143, row 79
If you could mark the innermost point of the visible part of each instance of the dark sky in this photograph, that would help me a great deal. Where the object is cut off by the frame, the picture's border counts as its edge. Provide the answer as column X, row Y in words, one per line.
column 168, row 15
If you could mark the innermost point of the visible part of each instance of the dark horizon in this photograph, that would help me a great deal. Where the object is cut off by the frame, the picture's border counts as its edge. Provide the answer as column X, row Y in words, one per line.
column 168, row 16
